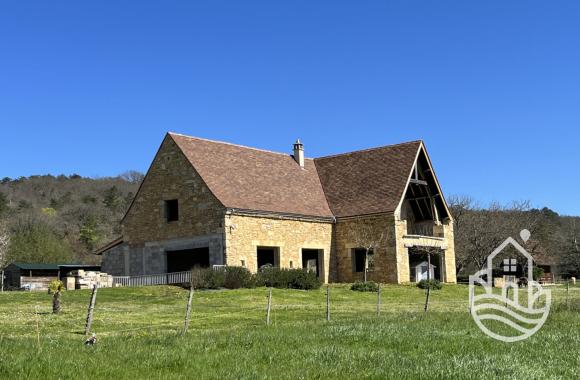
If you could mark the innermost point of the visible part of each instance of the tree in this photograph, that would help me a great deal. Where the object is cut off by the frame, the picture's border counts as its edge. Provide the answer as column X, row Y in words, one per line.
column 89, row 233
column 368, row 236
column 4, row 204
column 56, row 287
column 33, row 241
column 132, row 176
column 4, row 242
column 113, row 199
column 478, row 231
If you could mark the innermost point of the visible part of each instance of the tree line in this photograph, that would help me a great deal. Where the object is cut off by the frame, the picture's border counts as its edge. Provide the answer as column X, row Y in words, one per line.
column 481, row 229
column 50, row 219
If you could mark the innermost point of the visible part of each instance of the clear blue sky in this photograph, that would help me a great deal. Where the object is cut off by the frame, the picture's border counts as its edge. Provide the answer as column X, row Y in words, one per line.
column 493, row 87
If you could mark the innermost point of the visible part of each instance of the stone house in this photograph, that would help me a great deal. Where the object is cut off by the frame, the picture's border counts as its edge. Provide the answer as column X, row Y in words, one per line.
column 206, row 203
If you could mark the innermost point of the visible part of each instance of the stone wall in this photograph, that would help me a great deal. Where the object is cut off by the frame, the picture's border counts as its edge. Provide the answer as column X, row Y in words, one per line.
column 445, row 243
column 449, row 257
column 171, row 176
column 245, row 233
column 353, row 233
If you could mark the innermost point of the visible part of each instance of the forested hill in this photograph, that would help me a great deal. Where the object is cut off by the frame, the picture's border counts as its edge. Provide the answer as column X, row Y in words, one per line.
column 63, row 218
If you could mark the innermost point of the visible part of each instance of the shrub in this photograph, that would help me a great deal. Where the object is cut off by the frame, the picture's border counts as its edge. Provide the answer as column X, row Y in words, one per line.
column 433, row 284
column 538, row 273
column 368, row 286
column 207, row 278
column 238, row 277
column 288, row 278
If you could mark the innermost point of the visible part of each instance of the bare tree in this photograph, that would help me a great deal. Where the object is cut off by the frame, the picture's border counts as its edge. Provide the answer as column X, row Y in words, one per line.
column 4, row 242
column 478, row 231
column 369, row 236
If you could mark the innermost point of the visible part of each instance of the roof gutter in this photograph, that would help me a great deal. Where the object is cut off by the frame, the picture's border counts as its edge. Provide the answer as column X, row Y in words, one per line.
column 280, row 215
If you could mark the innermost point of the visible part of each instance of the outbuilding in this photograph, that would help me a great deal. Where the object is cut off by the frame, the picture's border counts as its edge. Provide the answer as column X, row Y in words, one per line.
column 36, row 276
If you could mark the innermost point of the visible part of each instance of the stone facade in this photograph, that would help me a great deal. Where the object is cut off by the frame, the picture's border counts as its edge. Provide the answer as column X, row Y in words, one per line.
column 244, row 234
column 352, row 233
column 233, row 236
column 171, row 176
column 147, row 234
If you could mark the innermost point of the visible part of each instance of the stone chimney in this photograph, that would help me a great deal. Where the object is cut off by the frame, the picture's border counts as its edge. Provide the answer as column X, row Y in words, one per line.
column 299, row 153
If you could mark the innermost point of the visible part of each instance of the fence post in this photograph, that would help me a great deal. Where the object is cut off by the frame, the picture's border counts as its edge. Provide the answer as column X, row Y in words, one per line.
column 268, row 307
column 2, row 280
column 379, row 300
column 471, row 296
column 188, row 310
column 91, row 310
column 37, row 326
column 568, row 294
column 428, row 282
column 327, row 303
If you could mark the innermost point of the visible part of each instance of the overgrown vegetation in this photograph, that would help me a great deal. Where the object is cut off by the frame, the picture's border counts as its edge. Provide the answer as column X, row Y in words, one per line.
column 61, row 219
column 362, row 286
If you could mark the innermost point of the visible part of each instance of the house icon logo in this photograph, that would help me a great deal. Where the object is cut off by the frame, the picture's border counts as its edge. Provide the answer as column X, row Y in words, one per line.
column 511, row 316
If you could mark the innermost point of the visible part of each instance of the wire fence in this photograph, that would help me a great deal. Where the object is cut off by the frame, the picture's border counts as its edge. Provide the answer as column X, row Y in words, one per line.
column 155, row 312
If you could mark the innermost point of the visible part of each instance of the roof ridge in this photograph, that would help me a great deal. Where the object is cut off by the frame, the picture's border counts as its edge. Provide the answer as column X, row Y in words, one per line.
column 232, row 144
column 370, row 149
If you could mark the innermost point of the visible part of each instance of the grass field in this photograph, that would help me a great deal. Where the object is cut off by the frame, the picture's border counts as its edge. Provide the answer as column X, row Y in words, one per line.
column 139, row 336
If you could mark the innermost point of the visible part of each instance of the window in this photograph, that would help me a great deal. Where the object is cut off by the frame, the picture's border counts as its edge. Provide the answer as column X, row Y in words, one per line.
column 359, row 260
column 172, row 210
column 510, row 265
column 268, row 257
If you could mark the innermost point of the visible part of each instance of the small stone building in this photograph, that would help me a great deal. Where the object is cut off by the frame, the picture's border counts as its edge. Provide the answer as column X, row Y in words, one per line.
column 205, row 203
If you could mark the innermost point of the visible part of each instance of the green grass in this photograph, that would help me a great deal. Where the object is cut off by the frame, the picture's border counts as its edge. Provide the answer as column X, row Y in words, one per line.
column 139, row 336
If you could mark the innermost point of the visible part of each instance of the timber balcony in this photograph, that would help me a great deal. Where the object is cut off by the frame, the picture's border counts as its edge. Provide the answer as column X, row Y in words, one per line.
column 428, row 229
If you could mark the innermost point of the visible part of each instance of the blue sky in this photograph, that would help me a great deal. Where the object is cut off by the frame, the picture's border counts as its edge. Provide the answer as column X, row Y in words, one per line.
column 493, row 87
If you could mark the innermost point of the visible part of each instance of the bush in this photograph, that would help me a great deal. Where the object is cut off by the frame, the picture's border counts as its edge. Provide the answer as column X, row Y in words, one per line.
column 538, row 273
column 207, row 278
column 288, row 278
column 238, row 277
column 433, row 284
column 368, row 286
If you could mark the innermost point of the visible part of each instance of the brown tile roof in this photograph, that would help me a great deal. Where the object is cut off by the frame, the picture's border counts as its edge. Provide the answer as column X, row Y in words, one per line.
column 253, row 179
column 368, row 181
column 363, row 182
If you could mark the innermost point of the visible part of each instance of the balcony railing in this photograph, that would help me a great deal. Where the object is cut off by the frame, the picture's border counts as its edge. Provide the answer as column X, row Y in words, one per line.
column 423, row 229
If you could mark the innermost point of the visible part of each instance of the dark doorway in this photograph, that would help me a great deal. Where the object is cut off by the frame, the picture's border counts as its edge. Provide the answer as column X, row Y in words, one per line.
column 310, row 260
column 184, row 260
column 418, row 263
column 267, row 256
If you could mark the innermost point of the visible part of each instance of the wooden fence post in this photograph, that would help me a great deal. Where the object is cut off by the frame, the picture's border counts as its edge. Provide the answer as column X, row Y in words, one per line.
column 428, row 282
column 37, row 326
column 327, row 303
column 188, row 310
column 379, row 300
column 471, row 296
column 568, row 294
column 268, row 307
column 2, row 280
column 89, row 323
